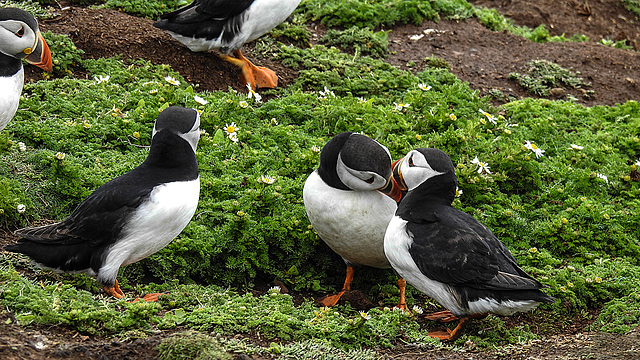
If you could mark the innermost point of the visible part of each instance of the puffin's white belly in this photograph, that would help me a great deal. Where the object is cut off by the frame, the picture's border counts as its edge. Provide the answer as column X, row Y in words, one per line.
column 352, row 223
column 10, row 90
column 155, row 224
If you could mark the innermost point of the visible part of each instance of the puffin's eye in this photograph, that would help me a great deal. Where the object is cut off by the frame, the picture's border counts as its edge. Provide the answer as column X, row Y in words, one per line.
column 20, row 33
column 370, row 180
column 411, row 161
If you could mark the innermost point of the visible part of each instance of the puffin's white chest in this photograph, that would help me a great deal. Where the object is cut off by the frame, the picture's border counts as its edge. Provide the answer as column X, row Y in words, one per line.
column 352, row 223
column 397, row 242
column 155, row 224
column 10, row 90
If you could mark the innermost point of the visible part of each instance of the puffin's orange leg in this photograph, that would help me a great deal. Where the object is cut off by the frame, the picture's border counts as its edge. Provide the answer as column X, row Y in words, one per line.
column 402, row 304
column 442, row 316
column 114, row 290
column 257, row 76
column 449, row 335
column 331, row 300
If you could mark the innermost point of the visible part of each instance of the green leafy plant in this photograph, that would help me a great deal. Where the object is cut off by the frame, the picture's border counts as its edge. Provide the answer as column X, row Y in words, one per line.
column 543, row 75
column 64, row 53
column 361, row 40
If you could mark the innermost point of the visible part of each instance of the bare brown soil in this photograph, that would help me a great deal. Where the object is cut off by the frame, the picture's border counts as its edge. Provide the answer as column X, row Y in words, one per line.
column 481, row 57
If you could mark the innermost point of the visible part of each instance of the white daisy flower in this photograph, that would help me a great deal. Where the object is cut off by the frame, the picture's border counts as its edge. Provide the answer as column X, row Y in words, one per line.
column 488, row 116
column 252, row 94
column 576, row 147
column 326, row 93
column 533, row 147
column 21, row 208
column 266, row 179
column 603, row 177
column 482, row 167
column 171, row 80
column 101, row 79
column 200, row 100
column 424, row 87
column 400, row 106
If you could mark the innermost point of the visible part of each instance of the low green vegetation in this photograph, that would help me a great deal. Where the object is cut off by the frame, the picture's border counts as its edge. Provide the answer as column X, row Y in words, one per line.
column 541, row 76
column 560, row 188
column 634, row 7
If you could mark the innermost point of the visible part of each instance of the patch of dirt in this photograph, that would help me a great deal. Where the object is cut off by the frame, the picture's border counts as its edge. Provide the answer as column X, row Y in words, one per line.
column 481, row 57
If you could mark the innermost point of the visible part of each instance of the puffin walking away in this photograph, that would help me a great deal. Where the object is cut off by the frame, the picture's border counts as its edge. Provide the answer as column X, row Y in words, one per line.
column 449, row 255
column 226, row 25
column 349, row 200
column 131, row 216
column 19, row 39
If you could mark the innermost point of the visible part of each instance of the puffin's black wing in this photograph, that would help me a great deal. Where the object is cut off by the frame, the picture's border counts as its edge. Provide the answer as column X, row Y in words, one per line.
column 206, row 19
column 452, row 247
column 98, row 220
column 205, row 10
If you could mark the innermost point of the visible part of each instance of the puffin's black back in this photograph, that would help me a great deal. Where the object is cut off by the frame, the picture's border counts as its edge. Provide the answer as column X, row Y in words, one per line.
column 206, row 19
column 77, row 242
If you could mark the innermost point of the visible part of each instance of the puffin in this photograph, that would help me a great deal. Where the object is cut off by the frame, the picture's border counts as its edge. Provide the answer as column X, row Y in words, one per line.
column 350, row 199
column 19, row 39
column 226, row 25
column 449, row 255
column 130, row 217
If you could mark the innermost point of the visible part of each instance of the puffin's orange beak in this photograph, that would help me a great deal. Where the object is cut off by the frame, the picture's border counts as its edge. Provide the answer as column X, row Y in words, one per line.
column 40, row 56
column 397, row 174
column 392, row 190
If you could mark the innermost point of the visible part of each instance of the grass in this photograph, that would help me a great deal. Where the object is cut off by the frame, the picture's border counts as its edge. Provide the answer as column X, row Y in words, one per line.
column 569, row 216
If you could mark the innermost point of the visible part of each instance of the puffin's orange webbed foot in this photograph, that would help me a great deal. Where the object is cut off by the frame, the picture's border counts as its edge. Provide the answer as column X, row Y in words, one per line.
column 257, row 76
column 149, row 297
column 331, row 300
column 114, row 290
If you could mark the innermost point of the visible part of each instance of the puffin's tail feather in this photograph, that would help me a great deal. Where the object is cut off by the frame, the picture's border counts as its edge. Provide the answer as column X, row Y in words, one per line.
column 66, row 258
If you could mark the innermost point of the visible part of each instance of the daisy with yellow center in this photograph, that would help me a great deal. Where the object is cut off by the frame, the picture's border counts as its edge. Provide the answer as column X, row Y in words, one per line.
column 400, row 106
column 576, row 147
column 424, row 87
column 253, row 94
column 243, row 104
column 231, row 128
column 533, row 147
column 488, row 116
column 482, row 166
column 266, row 179
column 171, row 80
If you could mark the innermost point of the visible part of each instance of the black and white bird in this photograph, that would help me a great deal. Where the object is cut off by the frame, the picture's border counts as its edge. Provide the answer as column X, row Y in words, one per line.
column 19, row 39
column 350, row 200
column 449, row 255
column 130, row 217
column 226, row 25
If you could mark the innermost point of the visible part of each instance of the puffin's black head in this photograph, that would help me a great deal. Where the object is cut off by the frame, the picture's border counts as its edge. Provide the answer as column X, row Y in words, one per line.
column 21, row 39
column 427, row 165
column 351, row 161
column 181, row 121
